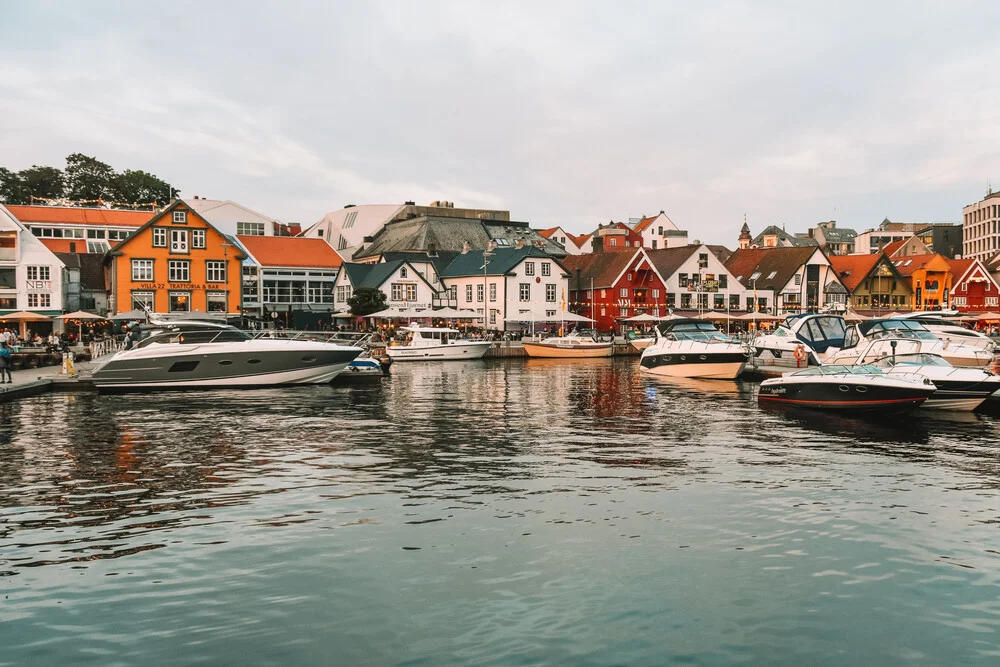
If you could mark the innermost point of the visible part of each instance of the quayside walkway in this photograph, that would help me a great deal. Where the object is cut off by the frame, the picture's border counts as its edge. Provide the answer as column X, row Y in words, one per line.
column 33, row 381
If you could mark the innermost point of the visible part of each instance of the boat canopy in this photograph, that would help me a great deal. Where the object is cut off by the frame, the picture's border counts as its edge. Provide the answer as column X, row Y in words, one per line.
column 429, row 330
column 894, row 327
column 691, row 329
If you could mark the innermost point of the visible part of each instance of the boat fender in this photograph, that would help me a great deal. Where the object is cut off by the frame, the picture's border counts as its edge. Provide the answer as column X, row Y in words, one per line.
column 800, row 352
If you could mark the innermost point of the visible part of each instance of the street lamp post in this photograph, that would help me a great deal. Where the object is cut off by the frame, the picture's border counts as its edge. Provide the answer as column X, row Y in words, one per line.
column 486, row 253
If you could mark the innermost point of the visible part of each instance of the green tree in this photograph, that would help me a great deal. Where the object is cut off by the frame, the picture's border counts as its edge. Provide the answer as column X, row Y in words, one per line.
column 140, row 187
column 41, row 182
column 366, row 300
column 87, row 177
column 12, row 189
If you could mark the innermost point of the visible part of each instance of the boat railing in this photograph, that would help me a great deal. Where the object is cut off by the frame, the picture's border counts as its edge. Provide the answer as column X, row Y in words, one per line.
column 338, row 337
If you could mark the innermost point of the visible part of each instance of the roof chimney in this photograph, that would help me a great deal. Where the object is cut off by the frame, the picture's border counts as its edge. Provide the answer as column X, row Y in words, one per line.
column 465, row 247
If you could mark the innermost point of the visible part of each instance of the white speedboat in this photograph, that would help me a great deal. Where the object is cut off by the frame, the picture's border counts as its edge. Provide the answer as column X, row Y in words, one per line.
column 798, row 342
column 195, row 354
column 937, row 323
column 957, row 388
column 436, row 344
column 908, row 337
column 573, row 346
column 855, row 389
column 693, row 348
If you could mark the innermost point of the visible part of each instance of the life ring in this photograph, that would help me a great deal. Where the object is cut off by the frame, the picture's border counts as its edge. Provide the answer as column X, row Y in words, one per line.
column 800, row 352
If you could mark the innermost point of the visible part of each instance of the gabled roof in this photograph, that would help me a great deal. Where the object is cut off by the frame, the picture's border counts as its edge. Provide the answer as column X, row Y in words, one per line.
column 291, row 251
column 440, row 260
column 839, row 234
column 960, row 267
column 907, row 265
column 547, row 233
column 792, row 240
column 852, row 269
column 579, row 239
column 67, row 215
column 162, row 214
column 502, row 261
column 644, row 223
column 894, row 247
column 667, row 261
column 374, row 275
column 720, row 251
column 775, row 265
column 601, row 267
column 206, row 206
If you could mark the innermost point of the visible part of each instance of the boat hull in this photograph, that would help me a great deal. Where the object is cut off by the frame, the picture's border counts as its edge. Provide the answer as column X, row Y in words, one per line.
column 452, row 352
column 845, row 394
column 587, row 351
column 205, row 367
column 724, row 366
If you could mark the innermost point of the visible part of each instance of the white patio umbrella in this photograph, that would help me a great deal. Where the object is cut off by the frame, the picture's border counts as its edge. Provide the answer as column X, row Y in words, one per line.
column 645, row 317
column 80, row 315
column 454, row 314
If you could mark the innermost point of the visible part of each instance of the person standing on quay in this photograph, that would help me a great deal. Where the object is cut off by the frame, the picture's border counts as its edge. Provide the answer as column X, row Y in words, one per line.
column 5, row 362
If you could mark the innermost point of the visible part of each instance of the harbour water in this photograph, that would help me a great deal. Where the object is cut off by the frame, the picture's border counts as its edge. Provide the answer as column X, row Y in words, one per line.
column 496, row 512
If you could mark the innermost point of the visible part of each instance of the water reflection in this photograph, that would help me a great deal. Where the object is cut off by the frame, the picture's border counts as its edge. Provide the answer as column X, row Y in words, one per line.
column 492, row 508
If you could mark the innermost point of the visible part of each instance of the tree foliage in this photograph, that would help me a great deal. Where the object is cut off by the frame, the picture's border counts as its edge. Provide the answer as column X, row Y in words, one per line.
column 85, row 179
column 366, row 300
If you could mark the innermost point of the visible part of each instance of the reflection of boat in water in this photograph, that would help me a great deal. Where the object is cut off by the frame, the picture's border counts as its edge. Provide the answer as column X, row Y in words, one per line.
column 198, row 354
column 437, row 344
column 692, row 348
column 573, row 346
column 699, row 386
column 852, row 388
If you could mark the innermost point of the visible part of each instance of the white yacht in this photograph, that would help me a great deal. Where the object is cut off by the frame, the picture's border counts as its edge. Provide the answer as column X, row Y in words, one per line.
column 693, row 348
column 905, row 337
column 573, row 346
column 957, row 388
column 855, row 389
column 194, row 354
column 436, row 344
column 937, row 323
column 799, row 341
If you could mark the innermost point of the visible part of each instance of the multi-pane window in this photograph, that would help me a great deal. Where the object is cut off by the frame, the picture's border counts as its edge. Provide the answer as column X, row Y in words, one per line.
column 142, row 301
column 525, row 292
column 216, row 302
column 529, row 268
column 180, row 217
column 142, row 270
column 96, row 234
column 250, row 228
column 550, row 291
column 179, row 271
column 198, row 238
column 623, row 292
column 180, row 302
column 723, row 281
column 546, row 269
column 411, row 292
column 480, row 292
column 178, row 240
column 159, row 237
column 97, row 247
column 468, row 292
column 39, row 301
column 215, row 271
column 656, row 293
column 493, row 291
column 404, row 292
column 38, row 273
column 344, row 293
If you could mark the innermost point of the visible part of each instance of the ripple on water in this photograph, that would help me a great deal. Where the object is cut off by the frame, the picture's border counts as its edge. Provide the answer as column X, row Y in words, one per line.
column 497, row 513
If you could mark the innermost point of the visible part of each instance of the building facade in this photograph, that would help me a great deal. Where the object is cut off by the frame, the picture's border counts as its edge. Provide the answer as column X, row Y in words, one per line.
column 404, row 287
column 792, row 279
column 31, row 276
column 85, row 230
column 176, row 263
column 974, row 289
column 872, row 282
column 981, row 228
column 234, row 219
column 659, row 232
column 930, row 278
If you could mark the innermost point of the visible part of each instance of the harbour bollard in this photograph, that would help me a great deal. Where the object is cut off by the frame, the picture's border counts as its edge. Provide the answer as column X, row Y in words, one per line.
column 67, row 364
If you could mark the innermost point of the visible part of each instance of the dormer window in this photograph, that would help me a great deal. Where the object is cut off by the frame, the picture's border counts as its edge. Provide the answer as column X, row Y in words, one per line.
column 755, row 275
column 771, row 275
column 180, row 217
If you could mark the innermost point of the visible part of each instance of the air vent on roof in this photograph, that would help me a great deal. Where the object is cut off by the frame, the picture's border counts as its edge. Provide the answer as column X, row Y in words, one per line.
column 349, row 206
column 409, row 203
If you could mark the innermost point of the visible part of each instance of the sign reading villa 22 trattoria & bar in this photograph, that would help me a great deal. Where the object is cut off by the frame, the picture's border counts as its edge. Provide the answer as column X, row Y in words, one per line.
column 181, row 286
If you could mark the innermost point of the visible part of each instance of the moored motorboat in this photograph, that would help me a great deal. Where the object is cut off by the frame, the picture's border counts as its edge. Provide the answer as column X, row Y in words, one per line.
column 573, row 346
column 957, row 388
column 201, row 354
column 907, row 336
column 436, row 344
column 693, row 348
column 854, row 388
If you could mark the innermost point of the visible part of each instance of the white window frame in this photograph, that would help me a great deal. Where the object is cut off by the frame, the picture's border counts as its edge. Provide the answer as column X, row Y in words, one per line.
column 480, row 293
column 529, row 268
column 180, row 217
column 468, row 293
column 198, row 239
column 524, row 292
column 179, row 267
column 546, row 269
column 142, row 270
column 147, row 305
column 216, row 293
column 550, row 292
column 179, row 241
column 174, row 293
column 216, row 268
column 159, row 237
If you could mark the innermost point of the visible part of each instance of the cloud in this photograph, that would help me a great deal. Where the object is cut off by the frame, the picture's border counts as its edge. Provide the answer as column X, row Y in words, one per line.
column 565, row 113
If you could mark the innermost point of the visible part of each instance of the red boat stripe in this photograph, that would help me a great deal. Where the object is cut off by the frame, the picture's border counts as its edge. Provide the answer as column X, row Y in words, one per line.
column 800, row 400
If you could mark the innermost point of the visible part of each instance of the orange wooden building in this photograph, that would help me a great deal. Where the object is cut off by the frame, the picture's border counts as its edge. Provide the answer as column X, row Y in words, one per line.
column 175, row 263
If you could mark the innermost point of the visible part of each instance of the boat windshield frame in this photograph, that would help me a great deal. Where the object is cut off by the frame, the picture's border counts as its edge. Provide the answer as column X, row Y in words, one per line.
column 893, row 328
column 838, row 369
column 907, row 359
column 194, row 335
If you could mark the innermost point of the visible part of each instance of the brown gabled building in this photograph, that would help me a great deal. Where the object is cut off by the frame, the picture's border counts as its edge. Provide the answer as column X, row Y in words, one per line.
column 788, row 279
column 872, row 282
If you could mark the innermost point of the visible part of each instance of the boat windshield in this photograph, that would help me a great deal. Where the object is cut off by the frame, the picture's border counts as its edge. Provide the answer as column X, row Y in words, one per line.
column 702, row 331
column 900, row 329
column 836, row 369
column 194, row 336
column 912, row 360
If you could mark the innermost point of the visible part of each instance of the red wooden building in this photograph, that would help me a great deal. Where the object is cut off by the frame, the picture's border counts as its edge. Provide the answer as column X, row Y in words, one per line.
column 973, row 288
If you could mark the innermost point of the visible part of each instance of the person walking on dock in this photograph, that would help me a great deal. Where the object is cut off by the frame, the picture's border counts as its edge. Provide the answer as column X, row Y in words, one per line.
column 5, row 363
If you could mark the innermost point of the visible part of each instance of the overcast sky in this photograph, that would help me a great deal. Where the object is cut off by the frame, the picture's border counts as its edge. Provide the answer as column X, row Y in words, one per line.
column 565, row 113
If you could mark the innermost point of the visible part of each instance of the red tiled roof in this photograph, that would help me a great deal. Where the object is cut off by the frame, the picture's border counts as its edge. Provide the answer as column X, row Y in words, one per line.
column 645, row 222
column 959, row 266
column 852, row 269
column 907, row 265
column 579, row 240
column 292, row 251
column 891, row 249
column 62, row 245
column 80, row 216
column 547, row 233
column 602, row 267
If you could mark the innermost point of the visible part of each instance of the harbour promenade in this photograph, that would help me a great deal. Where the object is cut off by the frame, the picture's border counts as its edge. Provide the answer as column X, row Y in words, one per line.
column 34, row 381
